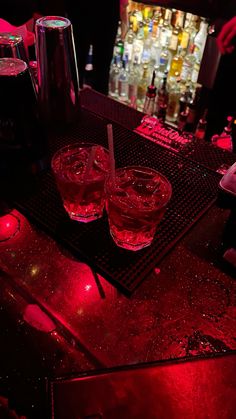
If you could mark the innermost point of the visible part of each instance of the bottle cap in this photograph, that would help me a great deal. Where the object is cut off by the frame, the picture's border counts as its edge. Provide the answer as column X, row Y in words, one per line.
column 151, row 91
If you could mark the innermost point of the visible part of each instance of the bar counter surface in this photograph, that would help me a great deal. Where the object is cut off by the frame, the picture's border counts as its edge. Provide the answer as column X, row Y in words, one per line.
column 184, row 309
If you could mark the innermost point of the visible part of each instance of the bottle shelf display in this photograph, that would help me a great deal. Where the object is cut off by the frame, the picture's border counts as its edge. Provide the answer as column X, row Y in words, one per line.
column 163, row 46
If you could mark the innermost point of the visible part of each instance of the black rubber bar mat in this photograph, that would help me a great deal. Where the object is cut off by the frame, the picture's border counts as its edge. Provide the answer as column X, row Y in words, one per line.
column 194, row 190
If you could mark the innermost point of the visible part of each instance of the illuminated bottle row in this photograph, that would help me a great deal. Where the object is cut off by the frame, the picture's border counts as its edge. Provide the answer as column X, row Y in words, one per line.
column 167, row 42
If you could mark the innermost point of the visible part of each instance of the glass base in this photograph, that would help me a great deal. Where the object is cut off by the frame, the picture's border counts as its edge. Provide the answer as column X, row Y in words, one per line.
column 130, row 246
column 85, row 219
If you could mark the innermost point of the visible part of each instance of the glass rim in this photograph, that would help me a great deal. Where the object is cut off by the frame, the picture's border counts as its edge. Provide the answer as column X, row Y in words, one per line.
column 41, row 22
column 72, row 146
column 11, row 39
column 163, row 177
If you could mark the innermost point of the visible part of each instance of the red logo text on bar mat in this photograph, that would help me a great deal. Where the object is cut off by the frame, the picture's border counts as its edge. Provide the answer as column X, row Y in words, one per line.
column 164, row 135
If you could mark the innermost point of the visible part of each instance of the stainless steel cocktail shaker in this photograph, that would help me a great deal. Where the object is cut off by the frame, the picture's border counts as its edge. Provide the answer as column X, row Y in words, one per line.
column 58, row 83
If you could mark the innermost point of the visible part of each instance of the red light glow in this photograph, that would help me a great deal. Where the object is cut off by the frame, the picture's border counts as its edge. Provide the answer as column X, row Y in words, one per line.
column 9, row 227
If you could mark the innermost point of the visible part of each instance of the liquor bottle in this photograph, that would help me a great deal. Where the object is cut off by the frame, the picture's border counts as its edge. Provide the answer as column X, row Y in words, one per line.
column 133, row 21
column 114, row 77
column 155, row 52
column 133, row 80
column 158, row 76
column 173, row 102
column 147, row 51
column 147, row 28
column 187, row 67
column 136, row 16
column 88, row 74
column 195, row 70
column 155, row 21
column 201, row 127
column 185, row 98
column 183, row 119
column 162, row 99
column 129, row 42
column 191, row 29
column 174, row 17
column 228, row 128
column 119, row 44
column 142, row 87
column 200, row 40
column 177, row 30
column 193, row 106
column 166, row 30
column 147, row 12
column 189, row 32
column 165, row 57
column 176, row 64
column 149, row 104
column 123, row 83
column 159, row 29
column 138, row 43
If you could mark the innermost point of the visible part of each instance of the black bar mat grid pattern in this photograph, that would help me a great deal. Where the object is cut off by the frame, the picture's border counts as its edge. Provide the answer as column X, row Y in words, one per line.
column 201, row 152
column 194, row 190
column 210, row 156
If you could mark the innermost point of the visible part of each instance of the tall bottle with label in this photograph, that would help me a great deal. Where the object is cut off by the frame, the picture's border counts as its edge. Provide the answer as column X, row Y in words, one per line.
column 133, row 81
column 129, row 43
column 184, row 100
column 200, row 40
column 138, row 43
column 176, row 33
column 176, row 64
column 173, row 102
column 142, row 87
column 166, row 31
column 149, row 104
column 119, row 44
column 156, row 19
column 123, row 86
column 187, row 67
column 114, row 76
column 188, row 33
column 162, row 99
column 165, row 57
column 88, row 76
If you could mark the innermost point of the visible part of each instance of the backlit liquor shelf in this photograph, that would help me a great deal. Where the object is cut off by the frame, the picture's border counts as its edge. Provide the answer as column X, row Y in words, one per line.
column 164, row 46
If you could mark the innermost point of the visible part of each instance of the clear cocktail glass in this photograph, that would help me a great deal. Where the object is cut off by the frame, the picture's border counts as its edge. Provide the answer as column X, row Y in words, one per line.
column 136, row 200
column 80, row 171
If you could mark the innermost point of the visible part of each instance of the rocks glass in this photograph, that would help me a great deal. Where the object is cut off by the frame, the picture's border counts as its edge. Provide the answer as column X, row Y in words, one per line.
column 80, row 171
column 135, row 205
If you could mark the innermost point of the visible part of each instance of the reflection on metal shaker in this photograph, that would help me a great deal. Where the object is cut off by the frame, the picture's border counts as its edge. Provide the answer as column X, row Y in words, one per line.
column 58, row 83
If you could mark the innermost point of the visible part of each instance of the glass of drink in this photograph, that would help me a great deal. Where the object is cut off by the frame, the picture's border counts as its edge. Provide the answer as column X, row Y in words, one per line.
column 80, row 171
column 136, row 202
